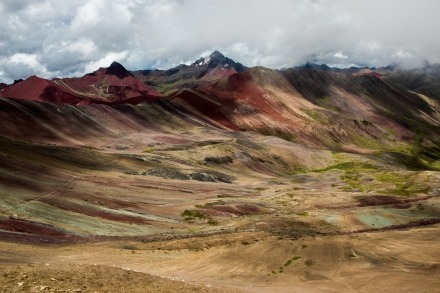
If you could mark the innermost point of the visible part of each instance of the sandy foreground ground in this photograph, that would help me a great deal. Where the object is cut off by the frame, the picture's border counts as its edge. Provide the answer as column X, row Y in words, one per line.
column 387, row 261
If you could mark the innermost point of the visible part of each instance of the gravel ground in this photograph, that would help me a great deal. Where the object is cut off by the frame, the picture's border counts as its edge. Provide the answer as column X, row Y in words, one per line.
column 76, row 278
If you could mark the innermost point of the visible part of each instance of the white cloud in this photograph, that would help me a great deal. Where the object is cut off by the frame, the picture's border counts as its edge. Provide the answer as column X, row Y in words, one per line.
column 25, row 59
column 22, row 64
column 105, row 61
column 69, row 37
column 340, row 55
column 402, row 54
column 84, row 47
column 88, row 16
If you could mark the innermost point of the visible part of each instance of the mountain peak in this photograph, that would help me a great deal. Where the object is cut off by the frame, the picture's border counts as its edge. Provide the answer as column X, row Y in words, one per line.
column 118, row 70
column 217, row 55
column 217, row 59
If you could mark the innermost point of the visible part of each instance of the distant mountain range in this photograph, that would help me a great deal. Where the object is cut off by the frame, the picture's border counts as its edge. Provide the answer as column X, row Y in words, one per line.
column 312, row 104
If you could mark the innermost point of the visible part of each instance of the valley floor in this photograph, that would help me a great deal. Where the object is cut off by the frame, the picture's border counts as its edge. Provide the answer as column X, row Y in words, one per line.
column 385, row 261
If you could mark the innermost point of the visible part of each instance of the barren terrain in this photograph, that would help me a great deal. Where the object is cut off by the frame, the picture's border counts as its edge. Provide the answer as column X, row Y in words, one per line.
column 126, row 214
column 254, row 180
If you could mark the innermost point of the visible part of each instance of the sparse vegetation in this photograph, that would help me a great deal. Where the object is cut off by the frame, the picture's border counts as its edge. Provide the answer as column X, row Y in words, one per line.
column 316, row 115
column 210, row 204
column 303, row 214
column 326, row 102
column 291, row 260
column 416, row 159
column 212, row 222
column 148, row 150
column 366, row 123
column 261, row 188
column 193, row 214
column 366, row 141
column 350, row 166
column 402, row 185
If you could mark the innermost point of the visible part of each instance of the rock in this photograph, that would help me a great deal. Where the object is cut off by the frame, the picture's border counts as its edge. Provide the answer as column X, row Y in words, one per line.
column 131, row 172
column 167, row 174
column 242, row 156
column 219, row 160
column 205, row 177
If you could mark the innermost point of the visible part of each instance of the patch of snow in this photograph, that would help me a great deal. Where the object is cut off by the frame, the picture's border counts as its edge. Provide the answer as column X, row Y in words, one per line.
column 207, row 59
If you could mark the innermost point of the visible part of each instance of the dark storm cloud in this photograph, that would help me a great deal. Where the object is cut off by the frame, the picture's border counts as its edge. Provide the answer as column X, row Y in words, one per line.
column 59, row 38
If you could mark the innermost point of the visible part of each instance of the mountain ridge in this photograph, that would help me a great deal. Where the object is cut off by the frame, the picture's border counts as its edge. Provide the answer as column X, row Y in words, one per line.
column 204, row 70
column 111, row 85
column 312, row 104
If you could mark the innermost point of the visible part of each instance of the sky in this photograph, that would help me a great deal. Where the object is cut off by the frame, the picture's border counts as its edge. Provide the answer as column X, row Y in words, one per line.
column 52, row 38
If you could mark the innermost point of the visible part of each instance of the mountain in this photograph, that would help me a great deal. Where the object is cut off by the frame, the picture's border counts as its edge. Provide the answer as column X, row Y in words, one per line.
column 315, row 105
column 106, row 85
column 424, row 80
column 203, row 71
column 221, row 163
column 217, row 60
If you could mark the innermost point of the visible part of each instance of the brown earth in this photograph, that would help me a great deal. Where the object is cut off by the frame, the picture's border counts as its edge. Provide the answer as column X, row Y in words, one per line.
column 390, row 261
column 89, row 219
column 90, row 278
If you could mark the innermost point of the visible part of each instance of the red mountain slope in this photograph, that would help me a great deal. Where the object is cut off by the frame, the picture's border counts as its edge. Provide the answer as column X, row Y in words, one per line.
column 112, row 85
column 313, row 107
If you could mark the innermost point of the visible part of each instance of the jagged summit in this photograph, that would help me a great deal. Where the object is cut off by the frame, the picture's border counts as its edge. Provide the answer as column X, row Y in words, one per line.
column 203, row 71
column 216, row 54
column 118, row 70
column 217, row 59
